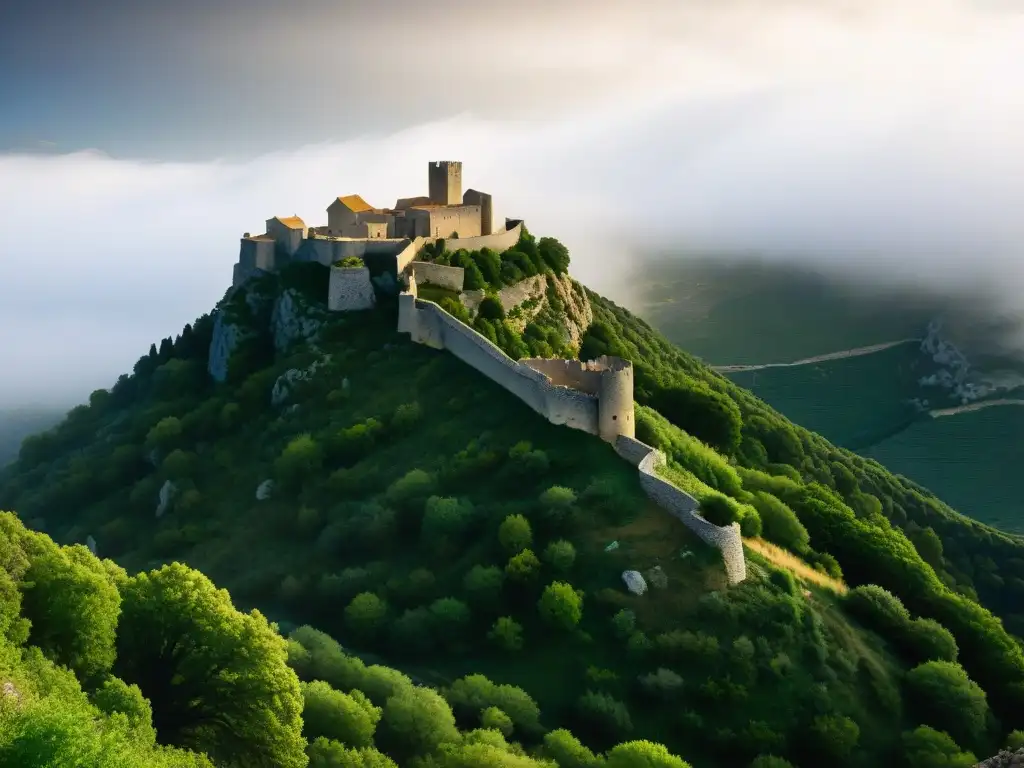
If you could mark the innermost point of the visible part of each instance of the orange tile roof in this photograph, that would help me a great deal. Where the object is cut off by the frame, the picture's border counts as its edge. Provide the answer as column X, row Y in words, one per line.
column 292, row 222
column 355, row 203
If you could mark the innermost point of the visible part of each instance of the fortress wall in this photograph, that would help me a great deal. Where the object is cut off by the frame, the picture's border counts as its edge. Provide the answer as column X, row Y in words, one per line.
column 407, row 254
column 585, row 376
column 683, row 506
column 572, row 408
column 350, row 289
column 428, row 273
column 631, row 449
column 498, row 241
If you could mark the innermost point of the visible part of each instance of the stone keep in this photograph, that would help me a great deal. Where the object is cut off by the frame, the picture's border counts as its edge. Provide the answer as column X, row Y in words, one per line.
column 350, row 289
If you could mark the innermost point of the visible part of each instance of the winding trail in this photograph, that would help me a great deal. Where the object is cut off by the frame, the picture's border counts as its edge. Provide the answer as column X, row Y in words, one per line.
column 856, row 352
column 938, row 413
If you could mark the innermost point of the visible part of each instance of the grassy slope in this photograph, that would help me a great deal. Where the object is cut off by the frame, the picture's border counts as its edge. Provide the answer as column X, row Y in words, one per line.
column 275, row 553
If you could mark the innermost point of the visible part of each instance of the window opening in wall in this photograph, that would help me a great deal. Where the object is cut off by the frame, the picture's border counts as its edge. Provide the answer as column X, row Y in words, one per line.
column 615, row 418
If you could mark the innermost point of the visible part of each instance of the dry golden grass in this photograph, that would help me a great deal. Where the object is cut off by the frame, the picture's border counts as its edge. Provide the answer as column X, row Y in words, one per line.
column 798, row 567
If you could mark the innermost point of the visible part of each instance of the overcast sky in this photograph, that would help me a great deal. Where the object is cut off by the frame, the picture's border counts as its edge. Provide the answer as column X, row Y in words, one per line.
column 138, row 140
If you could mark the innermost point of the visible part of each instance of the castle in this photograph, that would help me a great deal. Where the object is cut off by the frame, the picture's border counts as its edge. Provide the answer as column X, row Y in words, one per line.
column 595, row 396
column 356, row 228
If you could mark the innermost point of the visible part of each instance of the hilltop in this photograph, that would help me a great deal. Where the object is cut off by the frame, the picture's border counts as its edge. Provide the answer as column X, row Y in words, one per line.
column 344, row 476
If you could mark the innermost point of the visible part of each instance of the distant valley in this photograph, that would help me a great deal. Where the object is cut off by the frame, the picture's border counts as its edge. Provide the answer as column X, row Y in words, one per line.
column 17, row 423
column 846, row 364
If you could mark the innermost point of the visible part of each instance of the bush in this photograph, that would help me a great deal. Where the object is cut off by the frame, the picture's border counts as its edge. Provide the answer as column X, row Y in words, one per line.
column 780, row 524
column 299, row 460
column 365, row 615
column 719, row 510
column 784, row 580
column 624, row 622
column 560, row 555
column 604, row 714
column 507, row 634
column 515, row 534
column 491, row 309
column 561, row 605
column 494, row 718
column 664, row 684
column 750, row 524
column 566, row 750
column 523, row 568
column 348, row 718
column 483, row 585
column 942, row 695
column 925, row 747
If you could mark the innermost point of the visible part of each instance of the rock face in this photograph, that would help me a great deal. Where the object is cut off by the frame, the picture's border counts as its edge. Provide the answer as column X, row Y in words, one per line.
column 1005, row 759
column 225, row 339
column 264, row 490
column 167, row 493
column 634, row 582
column 293, row 320
column 287, row 380
column 90, row 542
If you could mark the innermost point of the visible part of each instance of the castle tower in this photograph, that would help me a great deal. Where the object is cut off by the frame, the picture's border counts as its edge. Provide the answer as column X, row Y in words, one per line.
column 445, row 182
column 615, row 399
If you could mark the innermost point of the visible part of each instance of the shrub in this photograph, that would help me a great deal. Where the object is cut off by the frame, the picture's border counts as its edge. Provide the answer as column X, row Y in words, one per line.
column 624, row 622
column 523, row 568
column 560, row 554
column 515, row 534
column 567, row 750
column 350, row 719
column 491, row 309
column 719, row 510
column 780, row 524
column 349, row 262
column 750, row 524
column 494, row 718
column 663, row 684
column 299, row 459
column 784, row 580
column 561, row 605
column 507, row 634
column 604, row 714
column 942, row 695
column 925, row 747
column 483, row 585
column 834, row 736
column 365, row 614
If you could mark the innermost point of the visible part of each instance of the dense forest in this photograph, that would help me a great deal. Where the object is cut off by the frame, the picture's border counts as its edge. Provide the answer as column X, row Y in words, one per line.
column 418, row 514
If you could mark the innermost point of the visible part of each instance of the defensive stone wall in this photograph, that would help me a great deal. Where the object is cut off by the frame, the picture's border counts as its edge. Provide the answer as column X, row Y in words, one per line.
column 409, row 252
column 329, row 250
column 683, row 506
column 497, row 241
column 350, row 289
column 428, row 273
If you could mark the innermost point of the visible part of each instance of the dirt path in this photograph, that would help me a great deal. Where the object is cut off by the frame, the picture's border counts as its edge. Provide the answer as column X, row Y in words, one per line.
column 857, row 352
column 940, row 412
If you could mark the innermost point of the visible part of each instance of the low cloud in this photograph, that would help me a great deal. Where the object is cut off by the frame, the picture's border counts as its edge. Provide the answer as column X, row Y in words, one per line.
column 884, row 142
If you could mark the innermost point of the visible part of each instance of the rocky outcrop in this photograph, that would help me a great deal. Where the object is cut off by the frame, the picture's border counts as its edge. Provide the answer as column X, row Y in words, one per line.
column 226, row 336
column 294, row 320
column 286, row 382
column 264, row 489
column 167, row 493
column 1005, row 759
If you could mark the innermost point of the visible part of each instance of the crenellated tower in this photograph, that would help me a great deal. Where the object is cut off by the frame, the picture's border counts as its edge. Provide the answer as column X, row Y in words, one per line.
column 615, row 399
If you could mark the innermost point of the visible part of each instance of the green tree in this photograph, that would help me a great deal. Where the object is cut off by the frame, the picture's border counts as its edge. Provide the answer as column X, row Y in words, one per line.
column 943, row 696
column 770, row 761
column 642, row 754
column 515, row 534
column 165, row 434
column 1015, row 741
column 365, row 614
column 348, row 718
column 445, row 519
column 507, row 634
column 299, row 460
column 523, row 568
column 483, row 585
column 494, row 718
column 450, row 618
column 567, row 750
column 115, row 695
column 324, row 753
column 560, row 554
column 217, row 679
column 73, row 607
column 416, row 721
column 834, row 736
column 925, row 747
column 561, row 605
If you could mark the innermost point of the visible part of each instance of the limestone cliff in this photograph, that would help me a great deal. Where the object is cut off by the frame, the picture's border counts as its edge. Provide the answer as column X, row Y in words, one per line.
column 556, row 301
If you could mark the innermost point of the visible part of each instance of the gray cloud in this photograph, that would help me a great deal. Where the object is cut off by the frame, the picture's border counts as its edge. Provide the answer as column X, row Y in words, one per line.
column 882, row 140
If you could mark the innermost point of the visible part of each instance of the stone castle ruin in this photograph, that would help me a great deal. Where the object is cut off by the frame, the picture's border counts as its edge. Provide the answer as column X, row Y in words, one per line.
column 595, row 396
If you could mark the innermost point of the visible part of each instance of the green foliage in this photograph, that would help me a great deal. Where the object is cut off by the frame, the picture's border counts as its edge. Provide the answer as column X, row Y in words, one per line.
column 491, row 309
column 769, row 761
column 523, row 567
column 298, row 461
column 720, row 510
column 515, row 534
column 494, row 718
column 561, row 605
column 114, row 696
column 1015, row 740
column 416, row 721
column 349, row 262
column 365, row 614
column 507, row 634
column 834, row 736
column 217, row 677
column 942, row 695
column 324, row 753
column 780, row 524
column 925, row 747
column 567, row 750
column 560, row 555
column 348, row 719
column 483, row 585
column 642, row 754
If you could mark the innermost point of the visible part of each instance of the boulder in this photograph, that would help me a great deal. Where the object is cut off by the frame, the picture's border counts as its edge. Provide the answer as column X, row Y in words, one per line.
column 264, row 490
column 634, row 582
column 167, row 493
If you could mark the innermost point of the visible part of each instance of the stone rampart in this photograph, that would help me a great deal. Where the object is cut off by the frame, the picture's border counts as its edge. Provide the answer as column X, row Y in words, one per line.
column 631, row 449
column 350, row 289
column 409, row 252
column 584, row 376
column 428, row 273
column 497, row 241
column 683, row 506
